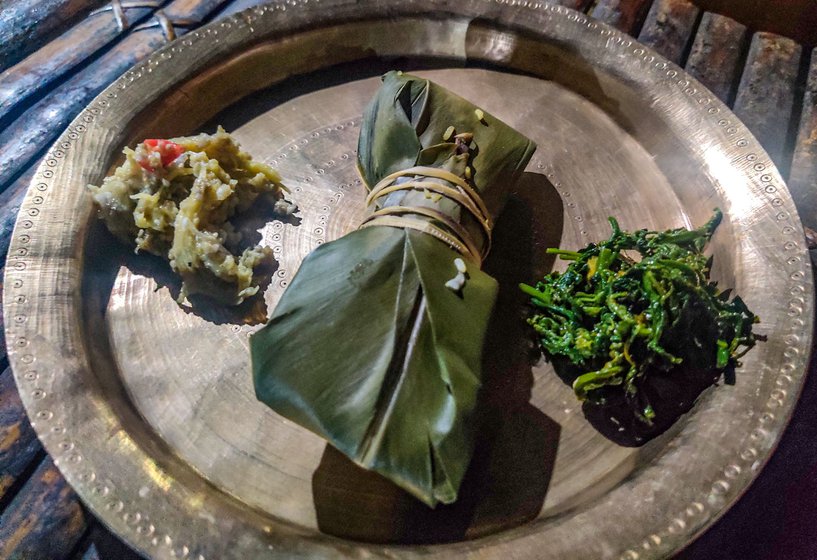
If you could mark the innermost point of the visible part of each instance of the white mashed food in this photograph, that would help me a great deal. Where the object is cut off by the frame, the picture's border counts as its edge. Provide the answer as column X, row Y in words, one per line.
column 175, row 198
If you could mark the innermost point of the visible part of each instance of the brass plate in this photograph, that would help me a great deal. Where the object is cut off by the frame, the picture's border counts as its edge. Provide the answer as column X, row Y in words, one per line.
column 147, row 407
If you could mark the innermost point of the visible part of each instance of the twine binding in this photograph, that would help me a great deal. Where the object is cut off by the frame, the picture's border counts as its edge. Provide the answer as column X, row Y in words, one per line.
column 168, row 25
column 117, row 7
column 441, row 226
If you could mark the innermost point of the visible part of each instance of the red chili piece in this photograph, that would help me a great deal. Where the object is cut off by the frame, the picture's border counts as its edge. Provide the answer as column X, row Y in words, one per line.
column 168, row 150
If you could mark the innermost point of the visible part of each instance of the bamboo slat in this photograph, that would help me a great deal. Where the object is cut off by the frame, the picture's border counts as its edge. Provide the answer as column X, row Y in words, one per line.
column 51, row 63
column 25, row 26
column 44, row 521
column 624, row 15
column 716, row 54
column 669, row 28
column 19, row 445
column 31, row 134
column 803, row 177
column 765, row 97
column 10, row 201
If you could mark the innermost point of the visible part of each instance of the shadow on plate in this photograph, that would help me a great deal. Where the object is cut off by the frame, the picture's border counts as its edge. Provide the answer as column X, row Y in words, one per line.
column 105, row 255
column 671, row 394
column 513, row 461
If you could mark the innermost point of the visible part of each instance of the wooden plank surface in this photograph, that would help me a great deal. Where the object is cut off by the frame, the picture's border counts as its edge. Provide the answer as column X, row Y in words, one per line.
column 19, row 445
column 28, row 136
column 26, row 25
column 44, row 521
column 717, row 53
column 669, row 28
column 189, row 14
column 624, row 15
column 100, row 544
column 10, row 200
column 766, row 92
column 796, row 19
column 803, row 177
column 32, row 133
column 55, row 60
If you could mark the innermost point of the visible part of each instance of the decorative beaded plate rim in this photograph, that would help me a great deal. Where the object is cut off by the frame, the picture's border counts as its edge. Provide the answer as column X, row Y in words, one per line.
column 154, row 527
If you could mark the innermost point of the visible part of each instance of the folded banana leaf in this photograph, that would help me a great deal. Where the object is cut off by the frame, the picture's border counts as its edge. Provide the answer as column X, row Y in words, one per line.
column 376, row 344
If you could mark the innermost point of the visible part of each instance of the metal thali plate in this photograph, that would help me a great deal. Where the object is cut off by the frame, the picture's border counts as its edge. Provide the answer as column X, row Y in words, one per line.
column 147, row 406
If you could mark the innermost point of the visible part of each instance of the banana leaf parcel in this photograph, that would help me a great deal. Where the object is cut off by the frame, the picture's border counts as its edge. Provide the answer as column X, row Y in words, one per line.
column 376, row 344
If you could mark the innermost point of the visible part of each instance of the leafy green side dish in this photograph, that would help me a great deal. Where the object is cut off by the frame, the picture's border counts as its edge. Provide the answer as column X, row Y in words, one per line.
column 638, row 303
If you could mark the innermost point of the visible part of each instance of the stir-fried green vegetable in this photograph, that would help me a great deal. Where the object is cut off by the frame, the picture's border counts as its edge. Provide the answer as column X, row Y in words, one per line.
column 637, row 303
